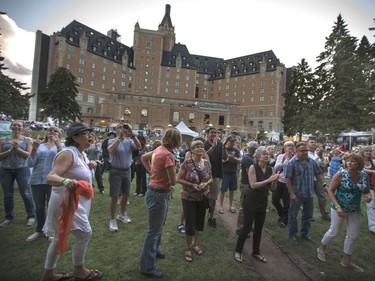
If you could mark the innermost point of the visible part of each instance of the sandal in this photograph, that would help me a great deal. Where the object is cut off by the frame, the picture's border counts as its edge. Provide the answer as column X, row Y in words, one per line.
column 238, row 257
column 198, row 250
column 188, row 256
column 65, row 276
column 321, row 256
column 93, row 275
column 260, row 258
column 353, row 267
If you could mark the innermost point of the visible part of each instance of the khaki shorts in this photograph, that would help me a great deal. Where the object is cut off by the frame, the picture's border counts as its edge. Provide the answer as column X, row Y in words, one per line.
column 215, row 188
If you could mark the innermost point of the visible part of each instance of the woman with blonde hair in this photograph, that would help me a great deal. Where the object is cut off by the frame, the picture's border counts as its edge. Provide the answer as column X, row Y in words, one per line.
column 41, row 158
column 14, row 151
column 160, row 163
column 345, row 191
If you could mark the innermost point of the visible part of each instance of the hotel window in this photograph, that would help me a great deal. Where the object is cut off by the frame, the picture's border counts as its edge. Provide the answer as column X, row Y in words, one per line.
column 221, row 120
column 191, row 117
column 101, row 99
column 261, row 90
column 93, row 66
column 81, row 61
column 176, row 91
column 80, row 80
column 271, row 112
column 261, row 98
column 260, row 124
column 148, row 44
column 93, row 74
column 187, row 85
column 68, row 66
column 114, row 72
column 91, row 99
column 103, row 77
column 93, row 57
column 104, row 69
column 80, row 70
column 261, row 112
column 92, row 83
column 206, row 119
column 176, row 116
column 177, row 84
column 82, row 52
column 79, row 97
column 270, row 126
column 123, row 75
column 123, row 84
column 252, row 99
column 68, row 57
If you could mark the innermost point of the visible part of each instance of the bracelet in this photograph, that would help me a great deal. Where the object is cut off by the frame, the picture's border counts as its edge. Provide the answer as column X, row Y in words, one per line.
column 337, row 207
column 118, row 139
column 65, row 181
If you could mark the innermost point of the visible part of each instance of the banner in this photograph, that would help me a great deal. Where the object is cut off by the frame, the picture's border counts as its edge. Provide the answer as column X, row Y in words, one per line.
column 5, row 128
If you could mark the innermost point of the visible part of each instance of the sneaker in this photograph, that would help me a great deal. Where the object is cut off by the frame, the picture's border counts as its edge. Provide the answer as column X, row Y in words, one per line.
column 181, row 228
column 5, row 223
column 212, row 222
column 101, row 191
column 221, row 210
column 232, row 210
column 30, row 221
column 113, row 225
column 308, row 239
column 293, row 240
column 123, row 218
column 34, row 236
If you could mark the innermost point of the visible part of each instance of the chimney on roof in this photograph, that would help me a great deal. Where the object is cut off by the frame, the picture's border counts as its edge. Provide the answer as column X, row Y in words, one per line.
column 114, row 35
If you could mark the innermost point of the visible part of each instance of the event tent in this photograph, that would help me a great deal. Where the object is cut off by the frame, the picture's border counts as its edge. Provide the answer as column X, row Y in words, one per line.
column 184, row 130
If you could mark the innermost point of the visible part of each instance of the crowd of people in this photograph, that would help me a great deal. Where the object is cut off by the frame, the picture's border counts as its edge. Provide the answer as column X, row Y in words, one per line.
column 56, row 177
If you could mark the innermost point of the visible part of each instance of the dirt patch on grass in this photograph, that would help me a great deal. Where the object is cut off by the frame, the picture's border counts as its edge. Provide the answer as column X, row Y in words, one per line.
column 279, row 265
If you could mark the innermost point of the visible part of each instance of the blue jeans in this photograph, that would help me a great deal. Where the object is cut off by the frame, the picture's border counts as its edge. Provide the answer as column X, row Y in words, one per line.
column 41, row 194
column 157, row 207
column 307, row 213
column 7, row 178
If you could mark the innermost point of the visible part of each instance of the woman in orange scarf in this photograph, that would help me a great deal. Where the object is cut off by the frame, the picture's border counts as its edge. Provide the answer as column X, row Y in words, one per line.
column 69, row 206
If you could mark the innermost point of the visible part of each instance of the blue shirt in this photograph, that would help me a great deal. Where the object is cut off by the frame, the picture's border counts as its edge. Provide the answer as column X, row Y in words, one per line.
column 123, row 156
column 41, row 164
column 302, row 176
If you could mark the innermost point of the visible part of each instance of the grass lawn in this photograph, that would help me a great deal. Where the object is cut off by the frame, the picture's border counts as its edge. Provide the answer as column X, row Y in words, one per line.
column 118, row 254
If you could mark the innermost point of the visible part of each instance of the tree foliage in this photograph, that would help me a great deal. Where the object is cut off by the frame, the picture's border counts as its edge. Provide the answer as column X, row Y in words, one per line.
column 298, row 100
column 59, row 99
column 13, row 102
column 341, row 89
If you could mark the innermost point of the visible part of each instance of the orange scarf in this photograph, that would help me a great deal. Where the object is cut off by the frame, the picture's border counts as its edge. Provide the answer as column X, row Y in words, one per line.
column 69, row 206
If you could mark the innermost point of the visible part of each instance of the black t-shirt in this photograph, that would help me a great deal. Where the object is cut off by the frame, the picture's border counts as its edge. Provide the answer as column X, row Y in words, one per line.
column 215, row 159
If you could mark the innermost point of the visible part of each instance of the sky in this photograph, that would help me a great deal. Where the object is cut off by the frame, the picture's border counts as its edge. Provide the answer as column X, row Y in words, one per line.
column 293, row 29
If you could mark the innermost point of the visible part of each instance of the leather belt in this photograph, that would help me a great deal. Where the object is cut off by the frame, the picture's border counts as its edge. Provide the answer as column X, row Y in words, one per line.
column 119, row 169
column 159, row 190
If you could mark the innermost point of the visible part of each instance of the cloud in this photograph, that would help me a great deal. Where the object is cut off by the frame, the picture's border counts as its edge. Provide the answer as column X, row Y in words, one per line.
column 17, row 47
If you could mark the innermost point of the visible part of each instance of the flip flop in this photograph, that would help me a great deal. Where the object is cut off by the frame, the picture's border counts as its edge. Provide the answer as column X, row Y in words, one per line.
column 260, row 258
column 238, row 257
column 321, row 256
column 197, row 250
column 93, row 275
column 353, row 267
column 188, row 256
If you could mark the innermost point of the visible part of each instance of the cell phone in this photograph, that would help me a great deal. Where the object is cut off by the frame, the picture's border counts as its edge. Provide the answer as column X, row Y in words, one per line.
column 126, row 126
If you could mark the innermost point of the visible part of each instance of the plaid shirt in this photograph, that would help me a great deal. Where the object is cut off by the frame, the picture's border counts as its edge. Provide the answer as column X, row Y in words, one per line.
column 302, row 176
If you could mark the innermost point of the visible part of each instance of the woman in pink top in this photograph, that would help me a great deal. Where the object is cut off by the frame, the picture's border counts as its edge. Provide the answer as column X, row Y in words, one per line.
column 160, row 163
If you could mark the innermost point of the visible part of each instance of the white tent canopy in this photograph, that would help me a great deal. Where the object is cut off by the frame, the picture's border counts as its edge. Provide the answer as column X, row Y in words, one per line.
column 184, row 130
column 273, row 135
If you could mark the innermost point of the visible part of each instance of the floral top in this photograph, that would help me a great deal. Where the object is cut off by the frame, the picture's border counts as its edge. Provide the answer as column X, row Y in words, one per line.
column 195, row 176
column 349, row 194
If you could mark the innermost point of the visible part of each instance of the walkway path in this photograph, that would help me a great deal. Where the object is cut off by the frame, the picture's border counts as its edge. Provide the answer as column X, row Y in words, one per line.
column 279, row 266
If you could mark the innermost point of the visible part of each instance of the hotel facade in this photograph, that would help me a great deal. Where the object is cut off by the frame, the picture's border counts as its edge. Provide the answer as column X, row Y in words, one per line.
column 157, row 83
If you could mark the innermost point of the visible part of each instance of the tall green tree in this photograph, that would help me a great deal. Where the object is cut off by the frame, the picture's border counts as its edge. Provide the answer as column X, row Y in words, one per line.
column 298, row 101
column 59, row 99
column 366, row 84
column 13, row 102
column 337, row 74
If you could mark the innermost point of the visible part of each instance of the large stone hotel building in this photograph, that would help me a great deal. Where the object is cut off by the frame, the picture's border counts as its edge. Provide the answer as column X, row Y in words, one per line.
column 157, row 83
